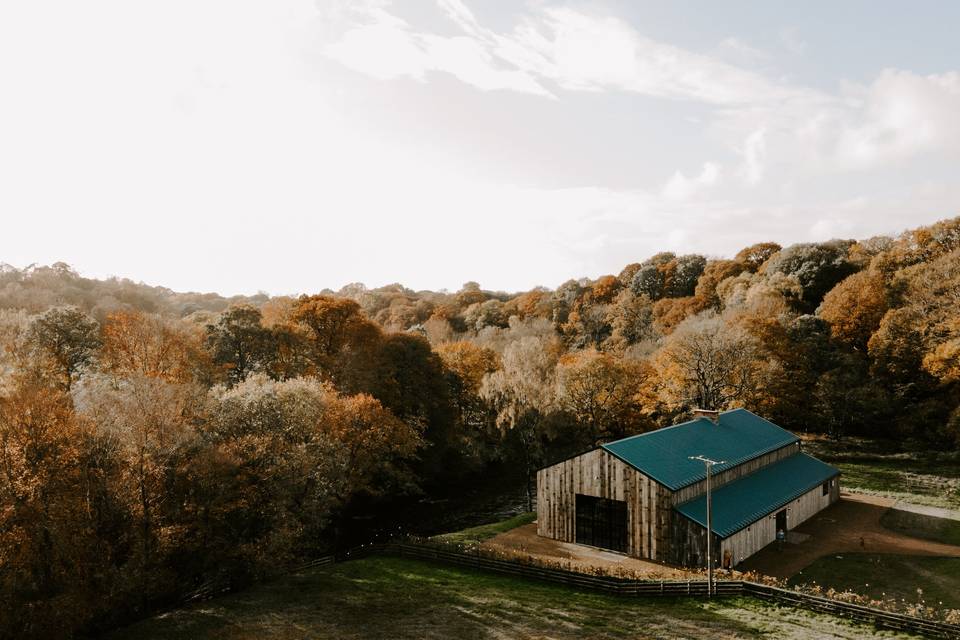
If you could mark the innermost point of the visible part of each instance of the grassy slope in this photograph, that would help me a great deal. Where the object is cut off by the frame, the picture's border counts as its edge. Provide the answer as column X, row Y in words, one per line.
column 872, row 466
column 922, row 526
column 401, row 598
column 879, row 575
column 487, row 531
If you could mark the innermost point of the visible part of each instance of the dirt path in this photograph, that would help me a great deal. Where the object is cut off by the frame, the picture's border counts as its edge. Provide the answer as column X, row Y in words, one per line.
column 576, row 556
column 851, row 525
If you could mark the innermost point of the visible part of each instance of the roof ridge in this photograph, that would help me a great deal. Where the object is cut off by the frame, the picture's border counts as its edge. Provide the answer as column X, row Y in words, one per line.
column 652, row 431
column 738, row 437
column 749, row 473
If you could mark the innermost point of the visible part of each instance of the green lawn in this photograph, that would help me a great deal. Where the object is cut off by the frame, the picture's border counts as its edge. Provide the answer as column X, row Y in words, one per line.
column 401, row 598
column 475, row 535
column 872, row 466
column 922, row 526
column 883, row 575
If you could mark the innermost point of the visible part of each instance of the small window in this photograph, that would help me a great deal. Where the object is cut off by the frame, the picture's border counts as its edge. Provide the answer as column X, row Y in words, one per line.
column 826, row 487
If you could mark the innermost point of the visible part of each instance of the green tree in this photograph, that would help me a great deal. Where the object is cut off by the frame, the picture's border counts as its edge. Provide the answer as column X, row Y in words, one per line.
column 69, row 338
column 239, row 344
column 818, row 267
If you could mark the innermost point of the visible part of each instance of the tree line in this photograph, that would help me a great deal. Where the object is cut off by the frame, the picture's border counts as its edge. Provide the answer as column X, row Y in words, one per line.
column 151, row 440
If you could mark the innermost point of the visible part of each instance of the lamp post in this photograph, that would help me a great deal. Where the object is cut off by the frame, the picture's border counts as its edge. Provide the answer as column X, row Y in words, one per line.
column 708, row 463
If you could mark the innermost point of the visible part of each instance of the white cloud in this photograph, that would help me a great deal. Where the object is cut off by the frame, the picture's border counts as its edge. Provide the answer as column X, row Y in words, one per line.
column 262, row 169
column 576, row 50
column 680, row 187
column 386, row 48
column 754, row 153
column 899, row 115
column 792, row 42
column 738, row 50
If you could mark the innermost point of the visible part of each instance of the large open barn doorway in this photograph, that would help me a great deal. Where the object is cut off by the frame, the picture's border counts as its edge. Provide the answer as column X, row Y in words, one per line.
column 601, row 522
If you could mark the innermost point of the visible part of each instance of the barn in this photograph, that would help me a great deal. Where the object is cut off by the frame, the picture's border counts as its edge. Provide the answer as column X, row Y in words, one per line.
column 645, row 497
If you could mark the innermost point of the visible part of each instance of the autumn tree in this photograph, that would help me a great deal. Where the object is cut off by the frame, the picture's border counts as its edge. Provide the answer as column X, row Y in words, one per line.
column 489, row 313
column 45, row 547
column 468, row 364
column 855, row 307
column 151, row 421
column 715, row 272
column 69, row 338
column 522, row 393
column 139, row 344
column 631, row 320
column 238, row 343
column 708, row 364
column 338, row 336
column 602, row 392
column 294, row 453
column 272, row 474
column 755, row 255
column 649, row 280
column 588, row 325
column 668, row 313
column 378, row 448
column 681, row 275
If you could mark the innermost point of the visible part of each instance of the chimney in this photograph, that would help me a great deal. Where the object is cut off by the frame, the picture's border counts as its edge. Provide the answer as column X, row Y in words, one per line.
column 710, row 414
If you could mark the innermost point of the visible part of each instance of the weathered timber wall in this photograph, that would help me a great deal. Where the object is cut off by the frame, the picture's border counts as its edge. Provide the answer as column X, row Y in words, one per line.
column 748, row 541
column 599, row 474
column 689, row 548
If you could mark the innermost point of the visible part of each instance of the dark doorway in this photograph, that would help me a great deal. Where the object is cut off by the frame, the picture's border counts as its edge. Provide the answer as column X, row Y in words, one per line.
column 601, row 522
column 782, row 521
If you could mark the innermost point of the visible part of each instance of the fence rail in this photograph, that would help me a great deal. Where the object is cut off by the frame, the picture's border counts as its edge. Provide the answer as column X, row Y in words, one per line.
column 628, row 587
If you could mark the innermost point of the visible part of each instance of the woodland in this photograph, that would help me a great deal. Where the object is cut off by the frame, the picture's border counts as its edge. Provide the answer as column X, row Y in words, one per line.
column 151, row 440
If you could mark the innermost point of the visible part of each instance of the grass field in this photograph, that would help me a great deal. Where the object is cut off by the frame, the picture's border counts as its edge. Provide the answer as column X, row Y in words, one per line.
column 401, row 598
column 475, row 535
column 884, row 575
column 872, row 466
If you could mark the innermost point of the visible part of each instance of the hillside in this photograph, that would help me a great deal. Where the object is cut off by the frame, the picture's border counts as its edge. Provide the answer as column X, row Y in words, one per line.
column 153, row 439
column 398, row 599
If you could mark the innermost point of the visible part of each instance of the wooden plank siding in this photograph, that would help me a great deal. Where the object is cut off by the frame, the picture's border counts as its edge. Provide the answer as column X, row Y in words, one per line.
column 748, row 541
column 601, row 475
column 654, row 530
column 692, row 548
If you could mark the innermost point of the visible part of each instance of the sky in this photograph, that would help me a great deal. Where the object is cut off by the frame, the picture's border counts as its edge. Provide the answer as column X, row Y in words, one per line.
column 289, row 146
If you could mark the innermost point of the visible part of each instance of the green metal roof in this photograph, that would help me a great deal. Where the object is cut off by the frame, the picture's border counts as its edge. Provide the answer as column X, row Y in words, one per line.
column 664, row 454
column 744, row 501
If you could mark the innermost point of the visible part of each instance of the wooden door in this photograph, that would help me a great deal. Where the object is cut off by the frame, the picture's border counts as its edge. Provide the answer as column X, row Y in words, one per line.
column 601, row 522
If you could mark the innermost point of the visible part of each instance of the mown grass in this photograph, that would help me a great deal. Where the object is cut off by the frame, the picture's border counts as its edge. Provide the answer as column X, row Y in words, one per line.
column 922, row 526
column 887, row 575
column 877, row 467
column 402, row 598
column 475, row 535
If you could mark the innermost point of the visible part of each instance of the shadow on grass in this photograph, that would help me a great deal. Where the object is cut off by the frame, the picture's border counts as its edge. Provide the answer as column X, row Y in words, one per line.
column 930, row 580
column 402, row 598
column 923, row 526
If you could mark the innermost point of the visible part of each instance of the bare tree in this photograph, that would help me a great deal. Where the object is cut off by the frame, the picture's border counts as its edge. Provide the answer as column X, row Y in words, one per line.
column 709, row 364
column 522, row 392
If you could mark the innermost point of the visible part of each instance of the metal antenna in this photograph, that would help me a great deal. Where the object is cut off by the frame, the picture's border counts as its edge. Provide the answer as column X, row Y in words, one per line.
column 708, row 463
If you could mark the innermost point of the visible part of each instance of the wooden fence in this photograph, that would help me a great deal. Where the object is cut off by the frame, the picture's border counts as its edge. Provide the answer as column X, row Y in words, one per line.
column 629, row 587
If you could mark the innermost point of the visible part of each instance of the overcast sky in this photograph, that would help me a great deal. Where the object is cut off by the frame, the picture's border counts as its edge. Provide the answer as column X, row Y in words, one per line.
column 288, row 146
